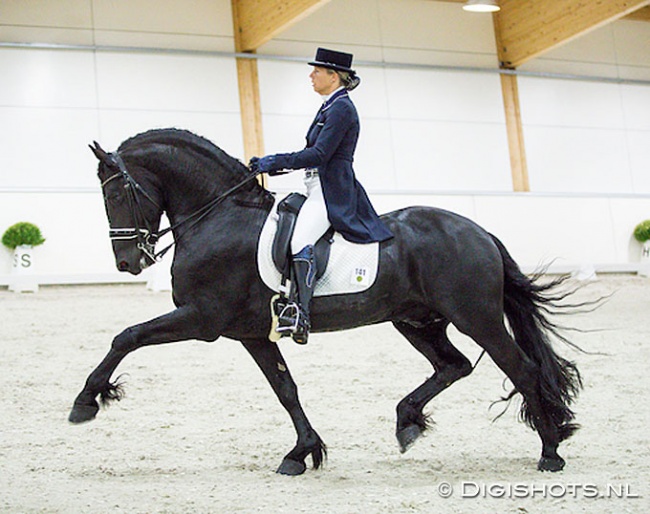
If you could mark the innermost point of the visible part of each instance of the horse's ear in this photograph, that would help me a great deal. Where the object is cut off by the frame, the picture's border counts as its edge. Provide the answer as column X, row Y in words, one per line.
column 99, row 153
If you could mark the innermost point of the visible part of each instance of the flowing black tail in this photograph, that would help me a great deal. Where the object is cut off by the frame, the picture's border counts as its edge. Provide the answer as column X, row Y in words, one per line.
column 527, row 304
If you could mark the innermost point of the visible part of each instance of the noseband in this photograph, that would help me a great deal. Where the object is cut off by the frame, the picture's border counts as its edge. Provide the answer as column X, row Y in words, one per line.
column 146, row 237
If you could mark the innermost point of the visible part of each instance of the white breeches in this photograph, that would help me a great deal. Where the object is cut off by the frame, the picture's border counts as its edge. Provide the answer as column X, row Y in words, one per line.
column 312, row 220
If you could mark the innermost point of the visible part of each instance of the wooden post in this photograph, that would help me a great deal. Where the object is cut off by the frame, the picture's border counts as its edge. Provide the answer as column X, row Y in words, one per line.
column 250, row 107
column 518, row 165
column 514, row 129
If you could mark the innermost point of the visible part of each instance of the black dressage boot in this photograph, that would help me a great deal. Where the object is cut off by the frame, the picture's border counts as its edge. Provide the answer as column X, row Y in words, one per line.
column 294, row 318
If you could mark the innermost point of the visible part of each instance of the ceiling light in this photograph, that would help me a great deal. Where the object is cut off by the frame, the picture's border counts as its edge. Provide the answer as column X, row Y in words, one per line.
column 481, row 6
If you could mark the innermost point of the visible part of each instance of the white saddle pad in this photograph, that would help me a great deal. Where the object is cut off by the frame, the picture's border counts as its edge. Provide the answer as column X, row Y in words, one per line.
column 352, row 267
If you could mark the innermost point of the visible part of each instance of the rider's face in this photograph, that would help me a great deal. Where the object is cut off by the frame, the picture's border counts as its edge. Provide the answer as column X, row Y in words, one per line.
column 324, row 81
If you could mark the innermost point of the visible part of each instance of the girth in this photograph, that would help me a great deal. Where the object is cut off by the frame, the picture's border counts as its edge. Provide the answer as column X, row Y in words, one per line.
column 288, row 210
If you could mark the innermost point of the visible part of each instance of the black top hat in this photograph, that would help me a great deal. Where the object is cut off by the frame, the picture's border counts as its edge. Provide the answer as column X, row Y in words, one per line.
column 339, row 61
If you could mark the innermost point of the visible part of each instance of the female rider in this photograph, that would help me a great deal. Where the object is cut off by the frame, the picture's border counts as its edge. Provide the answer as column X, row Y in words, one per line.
column 334, row 195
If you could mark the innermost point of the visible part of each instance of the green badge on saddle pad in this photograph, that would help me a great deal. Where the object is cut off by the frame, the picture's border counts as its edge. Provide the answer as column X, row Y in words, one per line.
column 360, row 276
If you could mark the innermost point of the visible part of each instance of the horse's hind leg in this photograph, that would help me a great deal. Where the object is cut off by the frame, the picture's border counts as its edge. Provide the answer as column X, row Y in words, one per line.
column 525, row 376
column 449, row 364
column 268, row 357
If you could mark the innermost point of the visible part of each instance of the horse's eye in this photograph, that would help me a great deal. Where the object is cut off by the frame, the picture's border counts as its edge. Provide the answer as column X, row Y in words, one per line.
column 114, row 198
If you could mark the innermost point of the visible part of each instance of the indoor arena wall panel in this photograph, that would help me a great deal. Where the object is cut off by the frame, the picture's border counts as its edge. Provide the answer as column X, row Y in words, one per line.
column 445, row 156
column 46, row 148
column 638, row 144
column 166, row 82
column 47, row 78
column 570, row 159
column 444, row 96
column 569, row 103
column 285, row 89
column 374, row 162
column 551, row 230
column 636, row 107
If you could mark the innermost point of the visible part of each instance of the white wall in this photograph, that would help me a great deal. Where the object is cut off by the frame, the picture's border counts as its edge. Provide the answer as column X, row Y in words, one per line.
column 429, row 136
column 54, row 103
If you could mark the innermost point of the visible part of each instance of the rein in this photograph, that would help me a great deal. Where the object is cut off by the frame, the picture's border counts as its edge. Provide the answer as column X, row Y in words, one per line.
column 146, row 237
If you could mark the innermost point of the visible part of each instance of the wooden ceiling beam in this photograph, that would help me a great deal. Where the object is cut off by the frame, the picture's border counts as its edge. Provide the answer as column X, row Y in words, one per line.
column 527, row 28
column 258, row 21
column 642, row 14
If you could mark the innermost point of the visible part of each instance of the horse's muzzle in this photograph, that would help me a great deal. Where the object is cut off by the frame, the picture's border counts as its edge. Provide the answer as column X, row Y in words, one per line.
column 134, row 267
column 123, row 266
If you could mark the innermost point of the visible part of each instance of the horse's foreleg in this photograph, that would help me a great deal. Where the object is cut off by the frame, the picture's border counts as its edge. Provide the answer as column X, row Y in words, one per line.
column 449, row 365
column 85, row 406
column 178, row 325
column 268, row 357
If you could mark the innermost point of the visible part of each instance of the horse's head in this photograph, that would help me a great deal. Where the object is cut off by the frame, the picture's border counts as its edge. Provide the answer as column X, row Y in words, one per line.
column 133, row 207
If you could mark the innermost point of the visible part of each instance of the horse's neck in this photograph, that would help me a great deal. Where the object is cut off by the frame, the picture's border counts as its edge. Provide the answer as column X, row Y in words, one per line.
column 188, row 190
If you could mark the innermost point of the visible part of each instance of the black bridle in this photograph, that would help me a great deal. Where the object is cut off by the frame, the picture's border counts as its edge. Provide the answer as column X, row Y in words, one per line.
column 146, row 237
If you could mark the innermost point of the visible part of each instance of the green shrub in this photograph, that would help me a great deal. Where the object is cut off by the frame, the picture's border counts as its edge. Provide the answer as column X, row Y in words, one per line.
column 22, row 233
column 642, row 231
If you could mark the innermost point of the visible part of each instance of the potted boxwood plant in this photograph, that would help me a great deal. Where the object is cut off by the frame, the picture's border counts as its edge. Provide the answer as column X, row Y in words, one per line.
column 21, row 238
column 642, row 235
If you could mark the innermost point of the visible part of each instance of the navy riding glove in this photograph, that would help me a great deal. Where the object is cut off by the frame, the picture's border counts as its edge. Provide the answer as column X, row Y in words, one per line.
column 264, row 164
column 253, row 164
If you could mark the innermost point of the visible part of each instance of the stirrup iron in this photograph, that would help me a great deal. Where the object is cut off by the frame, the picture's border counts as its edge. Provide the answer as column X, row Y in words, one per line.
column 290, row 312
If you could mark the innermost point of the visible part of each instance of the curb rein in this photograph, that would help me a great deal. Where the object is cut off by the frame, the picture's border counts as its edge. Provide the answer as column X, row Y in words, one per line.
column 146, row 237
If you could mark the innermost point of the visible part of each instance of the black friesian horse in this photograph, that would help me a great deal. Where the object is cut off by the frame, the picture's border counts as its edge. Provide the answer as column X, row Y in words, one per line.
column 440, row 268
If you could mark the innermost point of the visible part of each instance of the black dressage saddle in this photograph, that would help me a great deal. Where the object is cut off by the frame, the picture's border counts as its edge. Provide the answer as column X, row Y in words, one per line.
column 288, row 210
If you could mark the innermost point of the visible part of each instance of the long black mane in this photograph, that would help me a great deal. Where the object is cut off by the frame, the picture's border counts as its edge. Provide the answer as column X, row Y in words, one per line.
column 213, row 157
column 185, row 139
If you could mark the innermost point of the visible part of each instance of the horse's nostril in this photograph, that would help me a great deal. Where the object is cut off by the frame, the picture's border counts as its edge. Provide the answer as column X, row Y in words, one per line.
column 123, row 266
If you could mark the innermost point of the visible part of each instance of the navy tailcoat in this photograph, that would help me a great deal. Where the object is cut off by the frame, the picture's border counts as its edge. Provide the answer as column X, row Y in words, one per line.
column 331, row 141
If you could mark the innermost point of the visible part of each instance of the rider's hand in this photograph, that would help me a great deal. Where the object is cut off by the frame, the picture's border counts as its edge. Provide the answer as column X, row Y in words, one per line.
column 264, row 164
column 254, row 164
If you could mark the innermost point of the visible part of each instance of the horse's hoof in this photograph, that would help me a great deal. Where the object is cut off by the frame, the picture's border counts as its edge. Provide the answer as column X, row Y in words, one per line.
column 549, row 464
column 407, row 437
column 291, row 467
column 83, row 413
